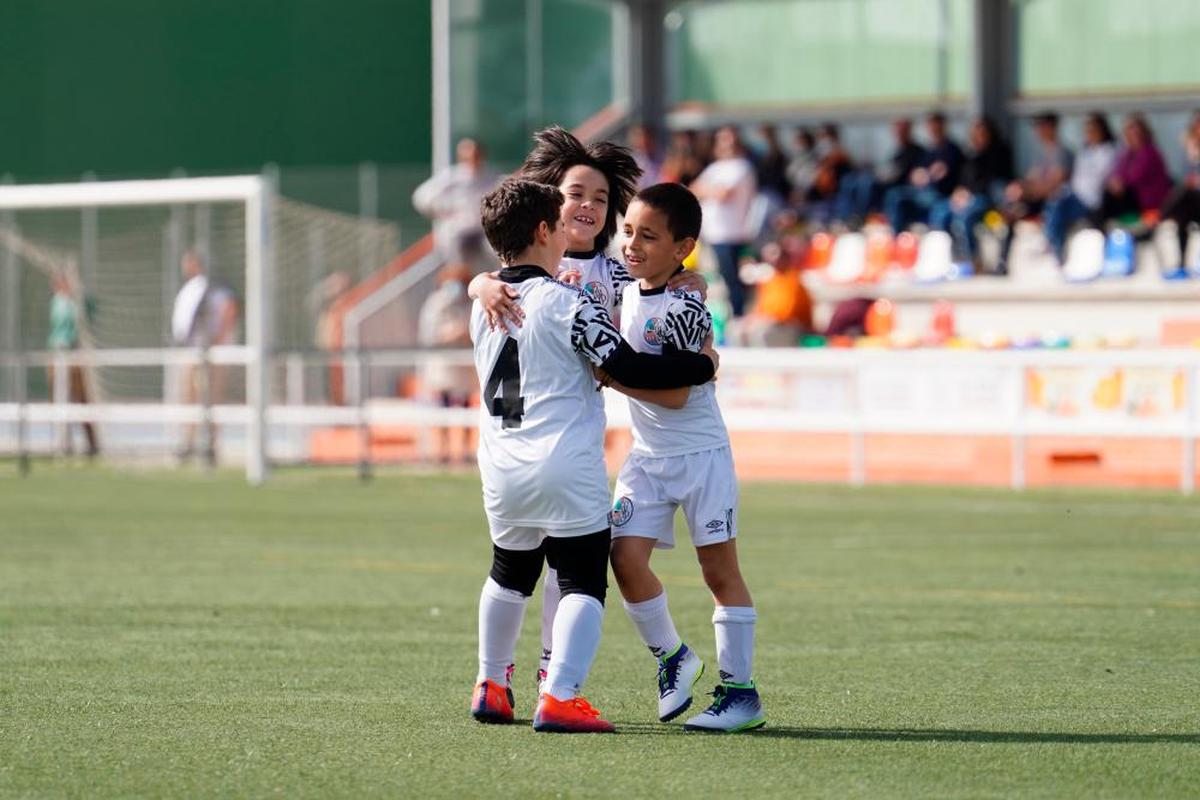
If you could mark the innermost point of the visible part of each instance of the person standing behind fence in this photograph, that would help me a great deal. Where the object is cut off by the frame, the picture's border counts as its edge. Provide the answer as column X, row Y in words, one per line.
column 726, row 190
column 205, row 314
column 65, row 317
column 445, row 322
column 451, row 199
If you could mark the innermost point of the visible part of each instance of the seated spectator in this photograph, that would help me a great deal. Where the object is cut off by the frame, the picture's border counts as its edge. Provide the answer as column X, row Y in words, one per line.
column 1139, row 182
column 861, row 191
column 802, row 169
column 986, row 172
column 782, row 310
column 683, row 163
column 1183, row 203
column 933, row 180
column 1081, row 200
column 833, row 162
column 1044, row 180
column 771, row 166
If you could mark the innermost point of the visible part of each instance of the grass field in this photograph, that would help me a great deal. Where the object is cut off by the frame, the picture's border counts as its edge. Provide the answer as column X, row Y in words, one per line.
column 177, row 634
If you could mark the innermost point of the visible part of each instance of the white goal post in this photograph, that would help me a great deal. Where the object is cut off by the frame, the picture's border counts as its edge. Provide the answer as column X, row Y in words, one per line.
column 257, row 194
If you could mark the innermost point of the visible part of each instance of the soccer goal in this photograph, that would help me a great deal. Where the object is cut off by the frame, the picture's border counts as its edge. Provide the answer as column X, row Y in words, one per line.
column 104, row 330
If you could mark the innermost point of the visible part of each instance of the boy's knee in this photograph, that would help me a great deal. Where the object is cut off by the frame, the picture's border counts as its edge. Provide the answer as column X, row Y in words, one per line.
column 582, row 563
column 517, row 569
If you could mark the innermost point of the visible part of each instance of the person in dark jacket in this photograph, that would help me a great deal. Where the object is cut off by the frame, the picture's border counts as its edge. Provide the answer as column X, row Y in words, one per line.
column 981, row 186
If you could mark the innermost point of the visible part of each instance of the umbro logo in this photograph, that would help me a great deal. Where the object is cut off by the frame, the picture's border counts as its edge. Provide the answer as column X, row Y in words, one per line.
column 715, row 525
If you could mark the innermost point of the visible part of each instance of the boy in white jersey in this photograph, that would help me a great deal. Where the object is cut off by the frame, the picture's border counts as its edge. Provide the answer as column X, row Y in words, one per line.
column 540, row 459
column 680, row 459
column 597, row 182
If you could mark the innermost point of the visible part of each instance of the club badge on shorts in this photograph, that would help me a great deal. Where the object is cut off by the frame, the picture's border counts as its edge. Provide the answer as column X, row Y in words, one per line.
column 622, row 512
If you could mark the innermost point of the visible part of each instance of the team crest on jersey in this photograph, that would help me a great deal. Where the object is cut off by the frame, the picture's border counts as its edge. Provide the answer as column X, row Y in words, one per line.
column 655, row 331
column 622, row 512
column 597, row 292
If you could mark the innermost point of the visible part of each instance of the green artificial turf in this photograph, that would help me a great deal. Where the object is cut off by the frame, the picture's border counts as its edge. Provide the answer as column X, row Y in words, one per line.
column 180, row 634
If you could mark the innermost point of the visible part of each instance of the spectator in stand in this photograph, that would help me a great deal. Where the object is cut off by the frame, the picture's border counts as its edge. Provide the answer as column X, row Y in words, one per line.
column 833, row 163
column 1183, row 203
column 1082, row 199
column 1044, row 180
column 445, row 322
column 861, row 192
column 987, row 171
column 644, row 146
column 683, row 163
column 802, row 168
column 772, row 166
column 1139, row 182
column 726, row 190
column 782, row 310
column 934, row 180
column 69, row 311
column 451, row 199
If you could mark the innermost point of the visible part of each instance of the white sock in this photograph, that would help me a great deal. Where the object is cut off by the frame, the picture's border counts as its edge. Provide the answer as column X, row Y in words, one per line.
column 551, row 595
column 734, row 628
column 576, row 638
column 653, row 621
column 501, row 612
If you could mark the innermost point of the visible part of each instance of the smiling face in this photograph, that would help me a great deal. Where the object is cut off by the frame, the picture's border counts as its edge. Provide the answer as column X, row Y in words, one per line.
column 586, row 192
column 651, row 253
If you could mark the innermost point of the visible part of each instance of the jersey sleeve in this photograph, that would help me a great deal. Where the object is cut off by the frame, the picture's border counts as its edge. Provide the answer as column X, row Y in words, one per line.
column 618, row 278
column 688, row 322
column 593, row 334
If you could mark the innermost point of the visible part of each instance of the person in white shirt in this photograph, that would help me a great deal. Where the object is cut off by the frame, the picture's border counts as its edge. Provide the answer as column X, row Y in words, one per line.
column 680, row 459
column 451, row 199
column 541, row 456
column 1086, row 191
column 205, row 314
column 726, row 190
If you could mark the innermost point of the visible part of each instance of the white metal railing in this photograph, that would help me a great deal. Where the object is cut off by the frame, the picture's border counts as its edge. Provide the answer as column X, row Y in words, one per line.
column 857, row 392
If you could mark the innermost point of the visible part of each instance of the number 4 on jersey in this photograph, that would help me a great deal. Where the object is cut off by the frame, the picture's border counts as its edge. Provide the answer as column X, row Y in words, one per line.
column 503, row 388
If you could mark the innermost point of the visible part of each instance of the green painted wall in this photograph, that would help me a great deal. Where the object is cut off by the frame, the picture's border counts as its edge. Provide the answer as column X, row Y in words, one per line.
column 1077, row 46
column 140, row 87
column 796, row 52
column 518, row 65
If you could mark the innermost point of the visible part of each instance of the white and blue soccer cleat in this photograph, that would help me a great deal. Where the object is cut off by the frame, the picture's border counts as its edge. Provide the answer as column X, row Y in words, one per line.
column 735, row 707
column 677, row 676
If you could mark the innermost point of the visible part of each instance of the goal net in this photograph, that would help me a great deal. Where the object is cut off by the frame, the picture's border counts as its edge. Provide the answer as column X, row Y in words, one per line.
column 98, row 323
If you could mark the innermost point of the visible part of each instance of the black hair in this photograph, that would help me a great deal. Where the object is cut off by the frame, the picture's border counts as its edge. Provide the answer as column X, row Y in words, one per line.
column 1046, row 118
column 1100, row 120
column 556, row 150
column 512, row 212
column 678, row 204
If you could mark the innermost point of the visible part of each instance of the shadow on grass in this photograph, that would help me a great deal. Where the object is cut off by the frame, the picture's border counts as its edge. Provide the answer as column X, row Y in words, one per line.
column 925, row 735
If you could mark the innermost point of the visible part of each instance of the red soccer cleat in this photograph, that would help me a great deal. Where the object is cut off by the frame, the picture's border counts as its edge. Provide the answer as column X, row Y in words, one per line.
column 492, row 703
column 568, row 716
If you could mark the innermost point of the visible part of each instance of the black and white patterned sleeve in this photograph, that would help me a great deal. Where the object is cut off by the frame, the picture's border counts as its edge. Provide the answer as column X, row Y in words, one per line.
column 619, row 278
column 688, row 321
column 593, row 334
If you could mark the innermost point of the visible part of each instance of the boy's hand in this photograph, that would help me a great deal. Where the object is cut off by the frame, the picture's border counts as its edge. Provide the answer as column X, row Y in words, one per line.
column 708, row 350
column 572, row 277
column 690, row 281
column 499, row 303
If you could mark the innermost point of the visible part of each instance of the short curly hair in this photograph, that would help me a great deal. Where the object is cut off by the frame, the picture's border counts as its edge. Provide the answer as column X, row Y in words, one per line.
column 512, row 211
column 556, row 150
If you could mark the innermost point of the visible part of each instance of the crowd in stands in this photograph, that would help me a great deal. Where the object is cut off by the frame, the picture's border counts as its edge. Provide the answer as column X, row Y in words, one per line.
column 763, row 202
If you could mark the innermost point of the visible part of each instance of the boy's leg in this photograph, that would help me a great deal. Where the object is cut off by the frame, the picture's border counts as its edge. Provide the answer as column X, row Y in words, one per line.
column 551, row 595
column 502, row 602
column 644, row 596
column 734, row 617
column 582, row 565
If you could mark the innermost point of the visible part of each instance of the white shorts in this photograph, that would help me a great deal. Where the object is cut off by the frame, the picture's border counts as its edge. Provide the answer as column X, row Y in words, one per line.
column 650, row 489
column 525, row 537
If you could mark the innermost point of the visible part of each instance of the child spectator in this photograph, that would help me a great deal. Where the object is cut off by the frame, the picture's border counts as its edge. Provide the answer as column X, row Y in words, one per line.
column 782, row 309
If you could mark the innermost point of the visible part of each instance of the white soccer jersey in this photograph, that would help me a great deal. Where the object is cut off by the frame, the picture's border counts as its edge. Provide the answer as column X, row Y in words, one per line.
column 649, row 320
column 541, row 428
column 602, row 277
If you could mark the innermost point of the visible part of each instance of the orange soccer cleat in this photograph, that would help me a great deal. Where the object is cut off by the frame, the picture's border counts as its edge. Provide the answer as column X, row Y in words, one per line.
column 568, row 716
column 492, row 703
